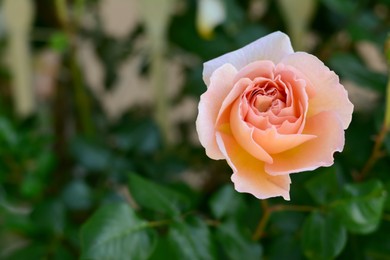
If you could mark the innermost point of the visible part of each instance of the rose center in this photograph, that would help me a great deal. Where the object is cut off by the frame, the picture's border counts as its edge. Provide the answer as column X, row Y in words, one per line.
column 266, row 97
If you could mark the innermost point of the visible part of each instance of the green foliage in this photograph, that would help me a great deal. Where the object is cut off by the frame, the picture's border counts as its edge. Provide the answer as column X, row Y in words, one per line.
column 360, row 206
column 235, row 244
column 323, row 236
column 115, row 232
column 157, row 197
column 191, row 239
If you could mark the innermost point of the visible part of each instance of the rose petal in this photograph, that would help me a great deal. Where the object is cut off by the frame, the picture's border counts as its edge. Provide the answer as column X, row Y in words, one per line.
column 243, row 134
column 314, row 153
column 238, row 89
column 221, row 83
column 272, row 47
column 256, row 69
column 249, row 175
column 273, row 142
column 329, row 94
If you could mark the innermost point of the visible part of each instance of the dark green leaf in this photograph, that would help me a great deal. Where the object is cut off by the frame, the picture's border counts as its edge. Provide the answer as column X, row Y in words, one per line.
column 377, row 245
column 286, row 223
column 323, row 186
column 32, row 186
column 90, row 155
column 323, row 236
column 361, row 206
column 115, row 232
column 163, row 250
column 290, row 245
column 341, row 6
column 50, row 216
column 77, row 195
column 33, row 251
column 157, row 197
column 226, row 202
column 191, row 239
column 235, row 244
column 142, row 136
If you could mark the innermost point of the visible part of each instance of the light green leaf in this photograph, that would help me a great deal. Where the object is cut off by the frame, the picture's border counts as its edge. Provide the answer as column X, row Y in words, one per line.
column 361, row 206
column 191, row 239
column 115, row 232
column 156, row 197
column 323, row 236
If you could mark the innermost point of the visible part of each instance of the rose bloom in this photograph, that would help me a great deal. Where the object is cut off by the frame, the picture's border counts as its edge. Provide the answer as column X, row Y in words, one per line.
column 270, row 112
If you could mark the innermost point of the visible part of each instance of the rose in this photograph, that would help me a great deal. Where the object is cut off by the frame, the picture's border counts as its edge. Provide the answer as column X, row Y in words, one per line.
column 270, row 112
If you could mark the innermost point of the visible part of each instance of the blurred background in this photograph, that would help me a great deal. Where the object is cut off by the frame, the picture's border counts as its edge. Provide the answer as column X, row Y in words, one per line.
column 98, row 101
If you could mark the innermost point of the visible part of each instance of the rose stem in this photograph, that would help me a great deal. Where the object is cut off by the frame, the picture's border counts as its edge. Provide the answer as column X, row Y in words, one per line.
column 263, row 221
column 267, row 210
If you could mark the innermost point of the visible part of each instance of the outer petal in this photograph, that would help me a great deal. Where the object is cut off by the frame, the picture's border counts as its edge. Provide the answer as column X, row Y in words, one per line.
column 272, row 47
column 210, row 105
column 314, row 153
column 249, row 175
column 329, row 94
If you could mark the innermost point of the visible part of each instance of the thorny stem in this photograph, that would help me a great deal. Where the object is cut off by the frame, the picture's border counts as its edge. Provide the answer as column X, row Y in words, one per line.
column 267, row 210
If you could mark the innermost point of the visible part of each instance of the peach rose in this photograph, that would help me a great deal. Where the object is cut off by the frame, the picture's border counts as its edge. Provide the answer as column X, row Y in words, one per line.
column 270, row 111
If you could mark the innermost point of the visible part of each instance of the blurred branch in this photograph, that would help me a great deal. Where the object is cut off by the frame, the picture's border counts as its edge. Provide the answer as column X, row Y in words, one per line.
column 83, row 104
column 377, row 152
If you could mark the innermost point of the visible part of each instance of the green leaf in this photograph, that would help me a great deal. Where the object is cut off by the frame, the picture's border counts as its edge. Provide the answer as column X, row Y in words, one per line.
column 142, row 136
column 49, row 216
column 32, row 251
column 342, row 7
column 235, row 244
column 191, row 239
column 115, row 232
column 90, row 154
column 377, row 245
column 290, row 244
column 156, row 197
column 361, row 206
column 323, row 236
column 77, row 195
column 163, row 250
column 7, row 133
column 323, row 186
column 226, row 202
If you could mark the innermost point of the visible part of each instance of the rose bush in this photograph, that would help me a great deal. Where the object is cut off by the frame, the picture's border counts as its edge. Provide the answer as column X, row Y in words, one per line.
column 270, row 112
